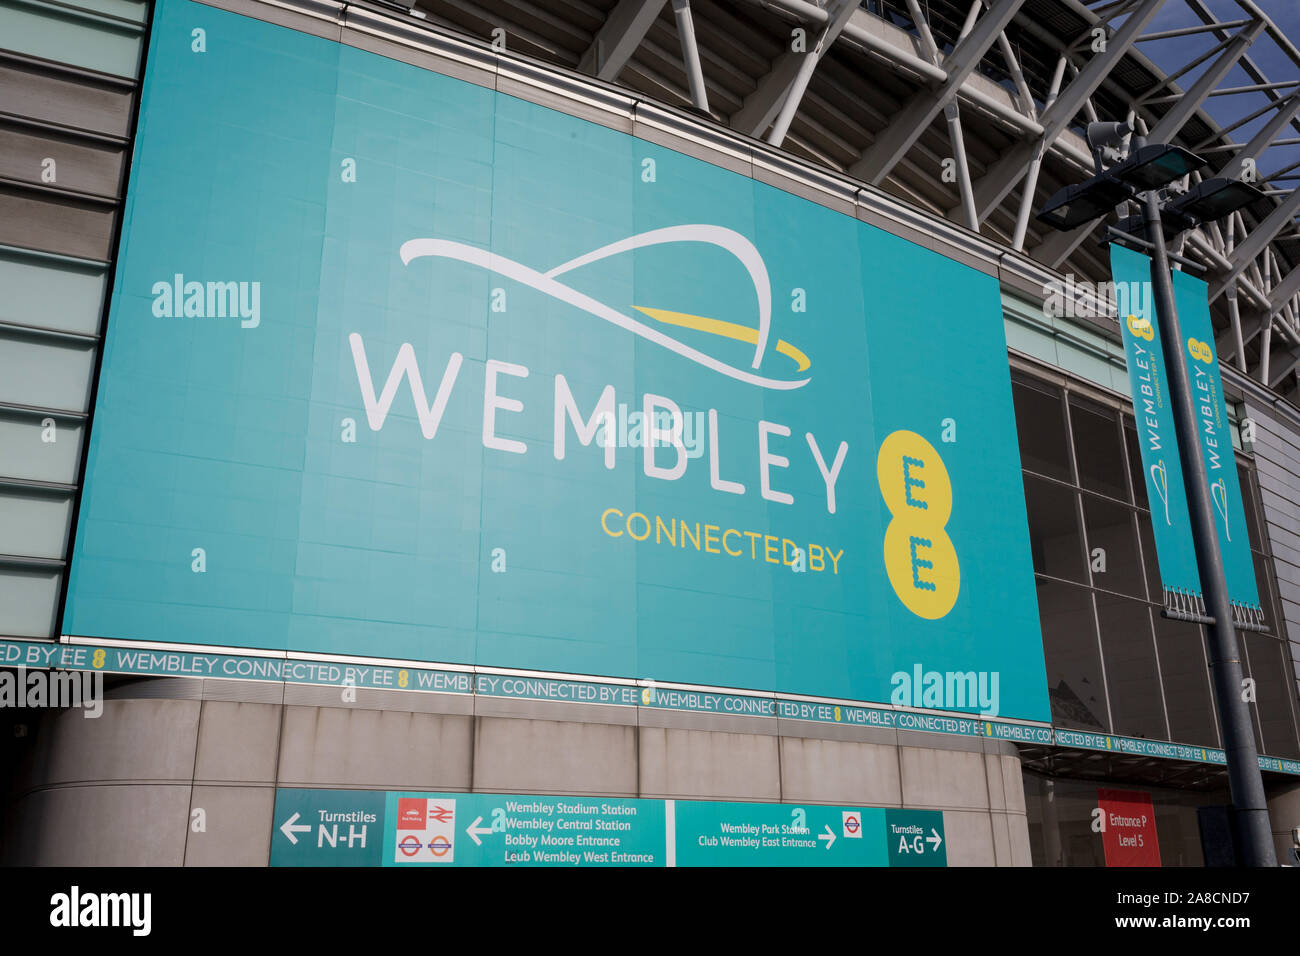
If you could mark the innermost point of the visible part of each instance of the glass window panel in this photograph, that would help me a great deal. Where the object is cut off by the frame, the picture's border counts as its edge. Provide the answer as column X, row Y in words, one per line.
column 1251, row 504
column 1060, row 809
column 1247, row 671
column 45, row 372
column 1074, row 682
column 50, row 294
column 1054, row 536
column 1177, row 830
column 27, row 451
column 33, row 525
column 1264, row 584
column 1040, row 425
column 1151, row 560
column 1060, row 822
column 1110, row 528
column 28, row 599
column 1132, row 678
column 1186, row 678
column 1137, row 473
column 1273, row 693
column 53, row 34
column 1096, row 449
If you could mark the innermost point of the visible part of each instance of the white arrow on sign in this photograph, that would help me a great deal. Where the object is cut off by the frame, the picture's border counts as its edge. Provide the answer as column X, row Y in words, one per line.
column 828, row 836
column 474, row 830
column 936, row 839
column 288, row 828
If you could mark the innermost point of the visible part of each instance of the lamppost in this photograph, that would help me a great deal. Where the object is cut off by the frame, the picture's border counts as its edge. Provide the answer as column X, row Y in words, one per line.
column 1142, row 175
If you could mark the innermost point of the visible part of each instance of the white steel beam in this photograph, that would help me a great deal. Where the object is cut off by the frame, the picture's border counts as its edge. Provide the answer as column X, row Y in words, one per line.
column 782, row 89
column 1281, row 293
column 916, row 115
column 1003, row 175
column 1257, row 241
column 618, row 39
column 690, row 54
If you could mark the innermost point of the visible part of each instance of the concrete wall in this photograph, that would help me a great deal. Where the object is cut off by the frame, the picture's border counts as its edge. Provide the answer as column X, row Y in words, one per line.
column 120, row 790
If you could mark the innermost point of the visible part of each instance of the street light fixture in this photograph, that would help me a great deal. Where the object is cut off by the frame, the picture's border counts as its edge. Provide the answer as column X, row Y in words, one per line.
column 1148, row 168
column 1215, row 198
column 1075, row 205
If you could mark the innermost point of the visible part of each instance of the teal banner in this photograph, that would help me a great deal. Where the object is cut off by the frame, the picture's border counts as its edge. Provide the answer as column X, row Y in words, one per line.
column 354, row 674
column 398, row 366
column 1153, row 414
column 1191, row 298
column 362, row 828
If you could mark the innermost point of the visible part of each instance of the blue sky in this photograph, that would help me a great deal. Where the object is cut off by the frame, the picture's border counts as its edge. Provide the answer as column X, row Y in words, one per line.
column 1172, row 54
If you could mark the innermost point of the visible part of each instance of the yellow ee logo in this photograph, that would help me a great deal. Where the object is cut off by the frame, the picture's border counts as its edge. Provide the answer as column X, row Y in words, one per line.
column 919, row 556
column 97, row 660
column 403, row 678
column 1200, row 351
column 1141, row 328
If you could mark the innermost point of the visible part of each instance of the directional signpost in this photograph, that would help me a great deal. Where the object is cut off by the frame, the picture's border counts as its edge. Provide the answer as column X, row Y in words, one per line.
column 485, row 829
column 915, row 838
column 775, row 834
column 328, row 828
column 372, row 828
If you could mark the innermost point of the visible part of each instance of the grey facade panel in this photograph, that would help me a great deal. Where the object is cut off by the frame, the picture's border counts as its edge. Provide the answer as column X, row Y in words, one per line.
column 1285, row 538
column 34, row 524
column 51, row 223
column 45, row 372
column 50, row 292
column 29, row 598
column 39, row 158
column 65, row 34
column 1278, row 512
column 75, row 103
column 1274, row 432
column 32, row 450
column 1278, row 459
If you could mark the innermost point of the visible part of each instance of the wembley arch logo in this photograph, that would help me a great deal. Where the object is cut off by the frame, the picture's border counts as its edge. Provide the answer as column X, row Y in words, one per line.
column 549, row 283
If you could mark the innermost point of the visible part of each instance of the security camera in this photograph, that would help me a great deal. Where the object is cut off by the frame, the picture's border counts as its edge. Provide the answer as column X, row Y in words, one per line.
column 1107, row 134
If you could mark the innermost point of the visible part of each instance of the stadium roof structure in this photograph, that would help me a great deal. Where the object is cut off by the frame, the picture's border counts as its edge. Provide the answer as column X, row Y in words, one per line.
column 973, row 111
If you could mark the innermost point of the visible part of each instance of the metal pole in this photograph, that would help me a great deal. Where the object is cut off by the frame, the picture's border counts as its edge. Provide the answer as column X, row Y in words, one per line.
column 690, row 54
column 1245, row 783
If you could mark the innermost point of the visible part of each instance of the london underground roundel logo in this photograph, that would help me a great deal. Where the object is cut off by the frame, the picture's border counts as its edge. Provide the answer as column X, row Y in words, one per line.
column 852, row 823
column 409, row 845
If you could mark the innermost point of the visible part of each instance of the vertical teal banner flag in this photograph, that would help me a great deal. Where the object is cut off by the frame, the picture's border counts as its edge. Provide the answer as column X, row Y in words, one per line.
column 1154, row 418
column 1165, row 482
column 1191, row 298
